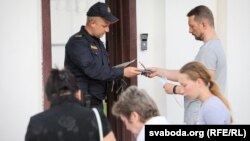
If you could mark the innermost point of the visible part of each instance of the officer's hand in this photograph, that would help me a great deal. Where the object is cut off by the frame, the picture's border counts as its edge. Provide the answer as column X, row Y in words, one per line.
column 131, row 71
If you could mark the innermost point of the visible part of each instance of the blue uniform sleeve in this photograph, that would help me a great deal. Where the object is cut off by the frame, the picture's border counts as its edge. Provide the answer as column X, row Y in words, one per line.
column 94, row 64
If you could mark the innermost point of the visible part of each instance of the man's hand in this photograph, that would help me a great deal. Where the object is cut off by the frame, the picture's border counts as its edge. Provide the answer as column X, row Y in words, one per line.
column 168, row 87
column 131, row 71
column 155, row 72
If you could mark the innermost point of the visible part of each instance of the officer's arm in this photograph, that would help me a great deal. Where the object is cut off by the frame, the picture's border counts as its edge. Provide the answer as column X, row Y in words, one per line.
column 81, row 55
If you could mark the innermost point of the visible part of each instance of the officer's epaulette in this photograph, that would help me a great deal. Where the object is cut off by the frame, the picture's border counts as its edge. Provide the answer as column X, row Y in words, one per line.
column 78, row 36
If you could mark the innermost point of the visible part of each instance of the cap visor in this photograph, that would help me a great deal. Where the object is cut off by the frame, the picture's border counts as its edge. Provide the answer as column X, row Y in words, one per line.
column 111, row 19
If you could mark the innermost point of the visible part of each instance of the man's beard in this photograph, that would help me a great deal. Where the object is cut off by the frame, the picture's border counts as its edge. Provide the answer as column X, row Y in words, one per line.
column 199, row 38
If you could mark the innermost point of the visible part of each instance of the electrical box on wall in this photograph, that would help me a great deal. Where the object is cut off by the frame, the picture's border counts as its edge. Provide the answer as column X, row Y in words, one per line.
column 144, row 40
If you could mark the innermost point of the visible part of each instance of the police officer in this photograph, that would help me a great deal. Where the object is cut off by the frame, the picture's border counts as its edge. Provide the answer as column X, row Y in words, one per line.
column 87, row 58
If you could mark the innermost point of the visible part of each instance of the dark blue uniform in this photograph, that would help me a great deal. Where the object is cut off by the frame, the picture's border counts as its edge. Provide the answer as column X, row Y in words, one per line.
column 87, row 58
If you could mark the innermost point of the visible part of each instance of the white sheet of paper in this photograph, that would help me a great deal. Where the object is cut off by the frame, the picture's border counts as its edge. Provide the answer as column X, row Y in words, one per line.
column 125, row 64
column 163, row 80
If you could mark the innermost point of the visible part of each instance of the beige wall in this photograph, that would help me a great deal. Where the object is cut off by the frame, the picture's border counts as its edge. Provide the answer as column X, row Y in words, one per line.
column 164, row 20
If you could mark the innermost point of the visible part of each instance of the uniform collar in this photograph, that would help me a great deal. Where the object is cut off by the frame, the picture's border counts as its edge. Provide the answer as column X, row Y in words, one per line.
column 90, row 38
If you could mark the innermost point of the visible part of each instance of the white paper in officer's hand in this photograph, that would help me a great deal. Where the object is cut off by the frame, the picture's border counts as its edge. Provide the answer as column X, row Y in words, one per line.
column 124, row 64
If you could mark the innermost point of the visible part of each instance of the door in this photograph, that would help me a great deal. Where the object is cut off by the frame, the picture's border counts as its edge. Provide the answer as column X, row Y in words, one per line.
column 122, row 47
column 120, row 42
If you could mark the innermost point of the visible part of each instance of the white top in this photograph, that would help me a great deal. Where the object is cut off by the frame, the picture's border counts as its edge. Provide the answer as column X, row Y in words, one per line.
column 158, row 120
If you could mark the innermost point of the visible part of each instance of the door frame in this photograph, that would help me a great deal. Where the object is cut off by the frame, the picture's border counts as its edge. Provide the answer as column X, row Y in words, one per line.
column 121, row 44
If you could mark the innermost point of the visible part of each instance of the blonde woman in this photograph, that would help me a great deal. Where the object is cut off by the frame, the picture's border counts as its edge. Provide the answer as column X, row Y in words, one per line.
column 197, row 84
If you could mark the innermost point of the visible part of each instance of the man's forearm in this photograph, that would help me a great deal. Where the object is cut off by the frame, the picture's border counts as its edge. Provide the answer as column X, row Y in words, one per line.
column 173, row 89
column 171, row 74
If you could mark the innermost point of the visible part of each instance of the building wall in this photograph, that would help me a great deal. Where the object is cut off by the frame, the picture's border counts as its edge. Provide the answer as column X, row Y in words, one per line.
column 238, row 48
column 169, row 45
column 151, row 20
column 21, row 66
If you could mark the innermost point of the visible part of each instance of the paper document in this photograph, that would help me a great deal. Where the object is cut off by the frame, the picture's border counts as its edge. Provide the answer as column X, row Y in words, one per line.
column 125, row 64
column 163, row 80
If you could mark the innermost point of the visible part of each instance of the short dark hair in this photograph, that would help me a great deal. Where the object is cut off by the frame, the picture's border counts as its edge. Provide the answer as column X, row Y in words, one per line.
column 61, row 86
column 202, row 12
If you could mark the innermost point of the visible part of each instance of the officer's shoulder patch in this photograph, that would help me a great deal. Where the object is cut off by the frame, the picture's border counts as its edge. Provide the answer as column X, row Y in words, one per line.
column 93, row 47
column 78, row 36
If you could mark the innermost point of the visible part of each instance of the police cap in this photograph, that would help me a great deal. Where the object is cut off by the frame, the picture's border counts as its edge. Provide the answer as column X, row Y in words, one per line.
column 102, row 10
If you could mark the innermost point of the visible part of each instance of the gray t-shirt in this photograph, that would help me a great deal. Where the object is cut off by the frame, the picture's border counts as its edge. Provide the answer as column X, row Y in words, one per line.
column 214, row 111
column 212, row 55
